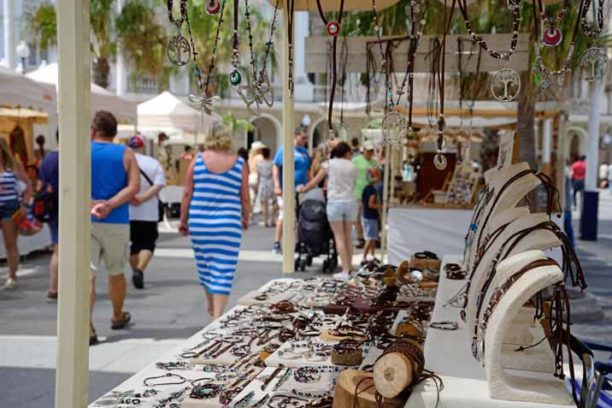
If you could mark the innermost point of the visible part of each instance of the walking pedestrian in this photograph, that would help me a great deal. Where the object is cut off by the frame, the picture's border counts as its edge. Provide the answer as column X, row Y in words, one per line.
column 265, row 183
column 301, row 161
column 49, row 180
column 115, row 180
column 13, row 178
column 355, row 147
column 371, row 214
column 341, row 176
column 214, row 210
column 364, row 162
column 144, row 211
column 578, row 174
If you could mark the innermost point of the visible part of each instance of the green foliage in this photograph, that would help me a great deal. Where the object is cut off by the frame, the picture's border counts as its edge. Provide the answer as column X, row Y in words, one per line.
column 236, row 125
column 41, row 24
column 142, row 39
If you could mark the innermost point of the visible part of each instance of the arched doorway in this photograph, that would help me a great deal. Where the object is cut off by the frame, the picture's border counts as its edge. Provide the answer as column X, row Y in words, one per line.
column 320, row 131
column 576, row 139
column 266, row 129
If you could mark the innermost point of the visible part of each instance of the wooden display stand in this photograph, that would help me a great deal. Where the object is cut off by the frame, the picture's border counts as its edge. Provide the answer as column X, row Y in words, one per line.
column 356, row 389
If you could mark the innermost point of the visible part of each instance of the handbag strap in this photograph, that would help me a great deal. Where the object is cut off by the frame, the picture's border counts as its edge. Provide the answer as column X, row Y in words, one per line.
column 146, row 177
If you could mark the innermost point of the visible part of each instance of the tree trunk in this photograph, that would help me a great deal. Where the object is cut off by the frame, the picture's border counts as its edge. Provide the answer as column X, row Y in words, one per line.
column 101, row 72
column 526, row 120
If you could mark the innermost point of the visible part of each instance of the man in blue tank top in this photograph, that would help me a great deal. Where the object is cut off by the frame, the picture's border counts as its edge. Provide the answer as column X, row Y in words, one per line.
column 115, row 179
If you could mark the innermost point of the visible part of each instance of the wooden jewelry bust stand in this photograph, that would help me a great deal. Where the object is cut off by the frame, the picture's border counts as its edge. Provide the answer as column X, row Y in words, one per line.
column 504, row 385
column 536, row 240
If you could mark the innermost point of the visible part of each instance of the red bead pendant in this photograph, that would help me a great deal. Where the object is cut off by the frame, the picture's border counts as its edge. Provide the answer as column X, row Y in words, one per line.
column 333, row 28
column 552, row 37
column 213, row 6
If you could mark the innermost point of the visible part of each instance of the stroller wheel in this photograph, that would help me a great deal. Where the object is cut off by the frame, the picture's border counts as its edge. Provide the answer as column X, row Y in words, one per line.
column 297, row 264
column 325, row 265
column 303, row 263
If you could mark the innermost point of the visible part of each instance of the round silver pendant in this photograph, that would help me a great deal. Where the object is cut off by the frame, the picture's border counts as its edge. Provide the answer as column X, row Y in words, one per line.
column 179, row 50
column 440, row 161
column 505, row 85
column 394, row 128
column 593, row 64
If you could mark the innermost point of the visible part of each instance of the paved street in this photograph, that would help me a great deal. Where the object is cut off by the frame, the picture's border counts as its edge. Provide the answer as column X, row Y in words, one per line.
column 171, row 308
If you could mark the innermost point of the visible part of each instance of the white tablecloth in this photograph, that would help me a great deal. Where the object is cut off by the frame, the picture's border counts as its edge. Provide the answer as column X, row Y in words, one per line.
column 27, row 245
column 415, row 229
column 171, row 194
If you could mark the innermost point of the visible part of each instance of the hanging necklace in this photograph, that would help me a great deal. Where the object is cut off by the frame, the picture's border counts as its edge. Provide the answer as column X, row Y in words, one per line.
column 378, row 30
column 547, row 75
column 178, row 51
column 333, row 30
column 394, row 126
column 551, row 34
column 516, row 19
column 594, row 61
column 235, row 77
column 204, row 102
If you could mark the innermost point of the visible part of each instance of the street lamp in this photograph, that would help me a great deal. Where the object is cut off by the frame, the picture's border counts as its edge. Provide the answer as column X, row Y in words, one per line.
column 23, row 52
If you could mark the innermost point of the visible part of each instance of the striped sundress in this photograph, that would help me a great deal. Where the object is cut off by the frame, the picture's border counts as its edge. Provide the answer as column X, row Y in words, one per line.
column 214, row 225
column 8, row 187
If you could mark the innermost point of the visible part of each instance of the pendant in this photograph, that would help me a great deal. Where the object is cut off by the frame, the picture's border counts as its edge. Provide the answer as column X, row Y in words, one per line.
column 213, row 7
column 505, row 85
column 593, row 64
column 235, row 78
column 552, row 37
column 394, row 129
column 333, row 28
column 203, row 103
column 250, row 96
column 266, row 91
column 440, row 161
column 179, row 50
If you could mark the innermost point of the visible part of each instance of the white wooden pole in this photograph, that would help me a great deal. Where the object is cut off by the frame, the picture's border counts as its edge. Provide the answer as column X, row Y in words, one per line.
column 547, row 131
column 288, row 159
column 592, row 153
column 74, row 226
column 8, row 10
column 386, row 198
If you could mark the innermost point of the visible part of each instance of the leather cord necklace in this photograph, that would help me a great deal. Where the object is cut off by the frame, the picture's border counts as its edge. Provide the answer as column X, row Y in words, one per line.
column 334, row 32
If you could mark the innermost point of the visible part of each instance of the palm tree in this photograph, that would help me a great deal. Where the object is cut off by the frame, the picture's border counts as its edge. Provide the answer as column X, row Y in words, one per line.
column 135, row 28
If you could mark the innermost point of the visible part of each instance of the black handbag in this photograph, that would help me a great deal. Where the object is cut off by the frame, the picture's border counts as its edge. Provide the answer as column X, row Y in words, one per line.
column 160, row 205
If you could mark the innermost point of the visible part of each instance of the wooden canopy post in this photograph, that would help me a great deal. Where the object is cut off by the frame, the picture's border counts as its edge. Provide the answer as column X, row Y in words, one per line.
column 288, row 180
column 71, row 378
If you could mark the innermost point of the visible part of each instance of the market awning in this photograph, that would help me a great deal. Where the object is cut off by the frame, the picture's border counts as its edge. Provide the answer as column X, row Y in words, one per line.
column 17, row 90
column 167, row 111
column 101, row 99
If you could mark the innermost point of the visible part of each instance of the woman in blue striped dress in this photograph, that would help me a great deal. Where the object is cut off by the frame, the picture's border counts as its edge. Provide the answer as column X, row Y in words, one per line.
column 11, row 173
column 214, row 211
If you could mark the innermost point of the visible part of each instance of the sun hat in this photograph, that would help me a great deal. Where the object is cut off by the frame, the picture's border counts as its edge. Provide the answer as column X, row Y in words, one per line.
column 256, row 145
column 367, row 145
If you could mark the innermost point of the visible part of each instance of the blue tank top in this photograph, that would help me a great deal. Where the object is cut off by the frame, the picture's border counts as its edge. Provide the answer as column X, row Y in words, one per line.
column 108, row 177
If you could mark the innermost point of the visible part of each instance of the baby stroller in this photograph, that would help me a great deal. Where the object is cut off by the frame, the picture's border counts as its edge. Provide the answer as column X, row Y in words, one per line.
column 315, row 237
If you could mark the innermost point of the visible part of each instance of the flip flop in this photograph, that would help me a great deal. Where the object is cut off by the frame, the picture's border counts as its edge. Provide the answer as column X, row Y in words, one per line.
column 93, row 339
column 118, row 325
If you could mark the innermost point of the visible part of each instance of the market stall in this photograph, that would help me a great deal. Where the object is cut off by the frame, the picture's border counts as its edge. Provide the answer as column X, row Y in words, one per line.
column 414, row 333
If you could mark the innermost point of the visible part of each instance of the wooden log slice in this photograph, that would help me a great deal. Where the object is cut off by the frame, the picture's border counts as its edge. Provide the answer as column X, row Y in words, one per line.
column 356, row 389
column 392, row 374
column 352, row 358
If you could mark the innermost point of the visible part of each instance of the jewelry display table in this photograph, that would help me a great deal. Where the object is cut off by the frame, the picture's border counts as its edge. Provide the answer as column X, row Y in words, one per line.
column 27, row 245
column 447, row 353
column 412, row 229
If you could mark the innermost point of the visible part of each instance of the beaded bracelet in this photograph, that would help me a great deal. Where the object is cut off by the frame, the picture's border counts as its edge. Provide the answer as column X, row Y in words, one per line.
column 205, row 391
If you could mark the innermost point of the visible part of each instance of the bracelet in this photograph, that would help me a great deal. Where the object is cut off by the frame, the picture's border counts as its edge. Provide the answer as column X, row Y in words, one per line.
column 205, row 391
column 147, row 380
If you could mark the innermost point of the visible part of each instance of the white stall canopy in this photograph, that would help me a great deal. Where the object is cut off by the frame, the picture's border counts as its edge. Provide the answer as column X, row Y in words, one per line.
column 101, row 99
column 167, row 111
column 16, row 90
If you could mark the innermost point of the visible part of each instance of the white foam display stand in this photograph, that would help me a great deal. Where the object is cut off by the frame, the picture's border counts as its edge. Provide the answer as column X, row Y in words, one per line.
column 510, row 197
column 27, row 245
column 541, row 240
column 512, row 386
column 448, row 354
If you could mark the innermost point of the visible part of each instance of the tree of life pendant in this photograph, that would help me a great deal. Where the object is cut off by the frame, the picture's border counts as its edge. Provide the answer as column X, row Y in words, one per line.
column 505, row 85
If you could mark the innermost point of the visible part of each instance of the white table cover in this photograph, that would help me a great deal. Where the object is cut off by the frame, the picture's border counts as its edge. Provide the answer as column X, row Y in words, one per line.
column 27, row 245
column 414, row 229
